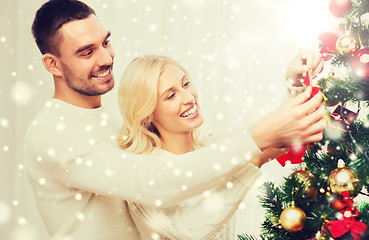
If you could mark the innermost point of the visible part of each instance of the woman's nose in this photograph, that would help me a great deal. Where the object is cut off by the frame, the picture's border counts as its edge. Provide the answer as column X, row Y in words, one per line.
column 188, row 97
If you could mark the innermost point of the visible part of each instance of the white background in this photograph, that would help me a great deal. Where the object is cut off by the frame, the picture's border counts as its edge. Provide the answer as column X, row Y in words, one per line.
column 235, row 50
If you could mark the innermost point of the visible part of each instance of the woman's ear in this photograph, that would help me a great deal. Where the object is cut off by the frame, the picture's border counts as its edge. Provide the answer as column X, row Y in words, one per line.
column 149, row 119
column 51, row 63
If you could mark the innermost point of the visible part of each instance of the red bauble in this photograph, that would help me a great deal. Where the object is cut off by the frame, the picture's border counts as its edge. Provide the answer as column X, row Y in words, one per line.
column 339, row 8
column 329, row 41
column 360, row 64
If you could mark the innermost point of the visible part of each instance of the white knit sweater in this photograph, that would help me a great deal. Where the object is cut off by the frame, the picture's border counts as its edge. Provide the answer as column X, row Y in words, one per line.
column 82, row 180
column 207, row 216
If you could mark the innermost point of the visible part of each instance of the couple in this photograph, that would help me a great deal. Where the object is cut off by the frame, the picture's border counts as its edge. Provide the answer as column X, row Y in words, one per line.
column 87, row 187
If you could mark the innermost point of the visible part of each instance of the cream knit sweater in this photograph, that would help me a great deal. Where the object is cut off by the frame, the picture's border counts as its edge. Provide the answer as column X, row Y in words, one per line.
column 82, row 180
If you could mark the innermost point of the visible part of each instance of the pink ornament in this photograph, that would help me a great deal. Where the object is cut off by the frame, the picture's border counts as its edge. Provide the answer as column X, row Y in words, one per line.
column 339, row 8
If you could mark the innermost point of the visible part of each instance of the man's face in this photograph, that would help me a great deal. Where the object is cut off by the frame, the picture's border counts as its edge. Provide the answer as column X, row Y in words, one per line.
column 86, row 57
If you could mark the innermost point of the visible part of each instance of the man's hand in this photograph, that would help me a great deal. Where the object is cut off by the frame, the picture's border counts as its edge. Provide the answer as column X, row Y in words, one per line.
column 305, row 60
column 298, row 121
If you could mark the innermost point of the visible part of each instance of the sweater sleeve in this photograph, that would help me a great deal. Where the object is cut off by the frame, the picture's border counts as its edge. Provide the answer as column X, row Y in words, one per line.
column 75, row 159
column 202, row 217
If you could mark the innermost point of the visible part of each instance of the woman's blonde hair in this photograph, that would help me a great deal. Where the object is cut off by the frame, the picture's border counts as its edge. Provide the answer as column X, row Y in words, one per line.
column 137, row 98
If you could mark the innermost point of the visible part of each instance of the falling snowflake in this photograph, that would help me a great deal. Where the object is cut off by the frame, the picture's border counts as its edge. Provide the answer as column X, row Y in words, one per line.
column 158, row 202
column 78, row 196
column 6, row 148
column 220, row 116
column 80, row 216
column 21, row 93
column 22, row 221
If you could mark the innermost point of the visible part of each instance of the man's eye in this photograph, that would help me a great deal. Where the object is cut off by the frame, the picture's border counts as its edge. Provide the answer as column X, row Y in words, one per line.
column 86, row 54
column 106, row 43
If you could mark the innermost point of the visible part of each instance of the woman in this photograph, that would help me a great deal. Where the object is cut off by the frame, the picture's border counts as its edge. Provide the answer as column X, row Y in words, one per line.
column 161, row 115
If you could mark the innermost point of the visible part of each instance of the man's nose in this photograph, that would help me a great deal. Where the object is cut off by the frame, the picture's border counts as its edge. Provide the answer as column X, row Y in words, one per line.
column 106, row 57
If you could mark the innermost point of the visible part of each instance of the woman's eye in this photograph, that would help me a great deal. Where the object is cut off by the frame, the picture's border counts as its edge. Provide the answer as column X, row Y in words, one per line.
column 186, row 84
column 171, row 96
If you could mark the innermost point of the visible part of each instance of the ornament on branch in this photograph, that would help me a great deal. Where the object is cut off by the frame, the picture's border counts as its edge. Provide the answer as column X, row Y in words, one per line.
column 346, row 44
column 343, row 180
column 332, row 75
column 340, row 8
column 293, row 219
column 342, row 118
column 328, row 42
column 360, row 64
column 308, row 180
column 342, row 201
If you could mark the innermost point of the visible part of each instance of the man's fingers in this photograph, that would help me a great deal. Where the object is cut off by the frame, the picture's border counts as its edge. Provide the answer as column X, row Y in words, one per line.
column 310, row 59
column 301, row 98
column 314, row 137
column 315, row 116
column 318, row 69
column 312, row 104
column 316, row 128
column 318, row 64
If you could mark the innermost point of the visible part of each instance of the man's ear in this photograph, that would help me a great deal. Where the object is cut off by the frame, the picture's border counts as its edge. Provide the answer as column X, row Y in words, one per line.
column 52, row 64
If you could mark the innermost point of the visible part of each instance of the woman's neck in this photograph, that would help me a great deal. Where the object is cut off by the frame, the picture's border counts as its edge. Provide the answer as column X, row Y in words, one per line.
column 178, row 143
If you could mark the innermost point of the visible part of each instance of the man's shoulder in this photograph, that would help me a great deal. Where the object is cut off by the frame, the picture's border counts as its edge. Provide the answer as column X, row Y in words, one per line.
column 47, row 115
column 49, row 119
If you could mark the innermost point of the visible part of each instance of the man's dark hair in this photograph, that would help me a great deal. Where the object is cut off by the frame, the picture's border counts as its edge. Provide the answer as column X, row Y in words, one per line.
column 51, row 16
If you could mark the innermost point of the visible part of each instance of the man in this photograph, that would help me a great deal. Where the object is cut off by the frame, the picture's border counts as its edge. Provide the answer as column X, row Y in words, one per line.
column 82, row 180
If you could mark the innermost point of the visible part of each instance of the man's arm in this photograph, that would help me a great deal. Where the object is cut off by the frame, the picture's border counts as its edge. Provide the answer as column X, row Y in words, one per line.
column 146, row 179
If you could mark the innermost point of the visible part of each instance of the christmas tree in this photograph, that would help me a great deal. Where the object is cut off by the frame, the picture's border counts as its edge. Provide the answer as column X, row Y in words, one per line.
column 320, row 199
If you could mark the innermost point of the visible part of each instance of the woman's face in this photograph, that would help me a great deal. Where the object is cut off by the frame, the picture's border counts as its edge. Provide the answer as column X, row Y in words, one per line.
column 176, row 111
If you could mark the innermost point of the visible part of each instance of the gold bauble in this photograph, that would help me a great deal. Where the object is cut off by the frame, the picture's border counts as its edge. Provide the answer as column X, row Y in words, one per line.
column 309, row 187
column 293, row 219
column 346, row 44
column 343, row 179
column 333, row 76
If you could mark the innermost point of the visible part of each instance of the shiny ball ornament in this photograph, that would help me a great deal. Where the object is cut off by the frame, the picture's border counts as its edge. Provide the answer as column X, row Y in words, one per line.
column 339, row 8
column 293, row 219
column 342, row 179
column 338, row 204
column 308, row 180
column 346, row 44
column 360, row 64
column 332, row 75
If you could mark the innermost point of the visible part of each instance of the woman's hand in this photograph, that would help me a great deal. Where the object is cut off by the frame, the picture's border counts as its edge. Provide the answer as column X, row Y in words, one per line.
column 298, row 121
